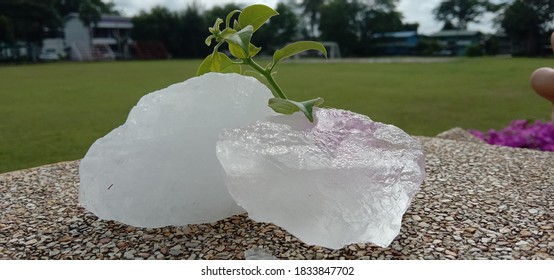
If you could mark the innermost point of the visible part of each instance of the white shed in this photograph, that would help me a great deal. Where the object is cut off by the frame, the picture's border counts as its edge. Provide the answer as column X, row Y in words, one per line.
column 107, row 40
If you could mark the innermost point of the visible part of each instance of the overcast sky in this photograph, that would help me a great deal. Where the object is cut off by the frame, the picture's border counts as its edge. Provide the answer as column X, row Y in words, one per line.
column 419, row 11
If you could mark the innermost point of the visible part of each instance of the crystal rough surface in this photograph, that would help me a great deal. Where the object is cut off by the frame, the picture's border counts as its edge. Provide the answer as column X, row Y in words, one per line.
column 160, row 167
column 258, row 254
column 340, row 180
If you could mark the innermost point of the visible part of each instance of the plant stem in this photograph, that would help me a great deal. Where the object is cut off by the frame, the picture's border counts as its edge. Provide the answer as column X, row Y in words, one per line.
column 267, row 74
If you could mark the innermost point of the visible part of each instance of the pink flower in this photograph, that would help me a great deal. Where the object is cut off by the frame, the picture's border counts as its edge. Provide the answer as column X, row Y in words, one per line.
column 521, row 134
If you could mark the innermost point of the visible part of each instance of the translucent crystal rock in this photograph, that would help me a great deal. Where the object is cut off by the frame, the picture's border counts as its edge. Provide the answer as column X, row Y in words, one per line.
column 340, row 180
column 160, row 167
column 258, row 254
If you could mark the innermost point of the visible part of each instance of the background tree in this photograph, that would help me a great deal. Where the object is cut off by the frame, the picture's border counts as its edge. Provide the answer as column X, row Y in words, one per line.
column 89, row 11
column 182, row 33
column 339, row 22
column 156, row 25
column 279, row 31
column 311, row 9
column 377, row 21
column 191, row 33
column 381, row 5
column 462, row 12
column 27, row 20
column 352, row 23
column 528, row 24
column 448, row 26
column 220, row 12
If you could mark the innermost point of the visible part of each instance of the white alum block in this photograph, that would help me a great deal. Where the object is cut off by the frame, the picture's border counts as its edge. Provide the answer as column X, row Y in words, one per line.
column 340, row 180
column 160, row 167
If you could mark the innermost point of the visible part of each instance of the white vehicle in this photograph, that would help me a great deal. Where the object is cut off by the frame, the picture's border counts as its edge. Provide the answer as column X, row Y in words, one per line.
column 49, row 54
column 52, row 49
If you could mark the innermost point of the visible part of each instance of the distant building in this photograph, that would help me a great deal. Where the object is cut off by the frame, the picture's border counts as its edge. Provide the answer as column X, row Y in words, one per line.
column 396, row 43
column 107, row 40
column 457, row 42
column 150, row 50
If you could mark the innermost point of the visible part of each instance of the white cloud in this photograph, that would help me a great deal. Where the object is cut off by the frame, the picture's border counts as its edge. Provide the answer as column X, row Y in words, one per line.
column 420, row 12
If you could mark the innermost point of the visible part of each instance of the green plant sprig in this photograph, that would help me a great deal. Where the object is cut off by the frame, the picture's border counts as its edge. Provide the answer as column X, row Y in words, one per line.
column 238, row 38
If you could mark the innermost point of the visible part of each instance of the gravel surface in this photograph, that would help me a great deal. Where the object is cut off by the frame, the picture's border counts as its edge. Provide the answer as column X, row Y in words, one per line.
column 458, row 133
column 477, row 202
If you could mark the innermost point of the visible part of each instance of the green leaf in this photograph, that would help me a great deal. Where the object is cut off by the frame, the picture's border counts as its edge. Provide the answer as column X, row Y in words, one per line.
column 208, row 40
column 227, row 32
column 288, row 107
column 239, row 42
column 256, row 15
column 204, row 66
column 296, row 48
column 282, row 106
column 229, row 16
column 237, row 52
column 215, row 28
column 253, row 50
column 226, row 65
column 216, row 63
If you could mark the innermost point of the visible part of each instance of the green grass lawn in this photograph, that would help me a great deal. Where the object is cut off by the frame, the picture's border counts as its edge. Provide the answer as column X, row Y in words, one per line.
column 54, row 112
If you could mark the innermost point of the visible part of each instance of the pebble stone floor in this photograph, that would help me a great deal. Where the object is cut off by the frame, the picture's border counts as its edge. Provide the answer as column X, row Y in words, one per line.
column 477, row 202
